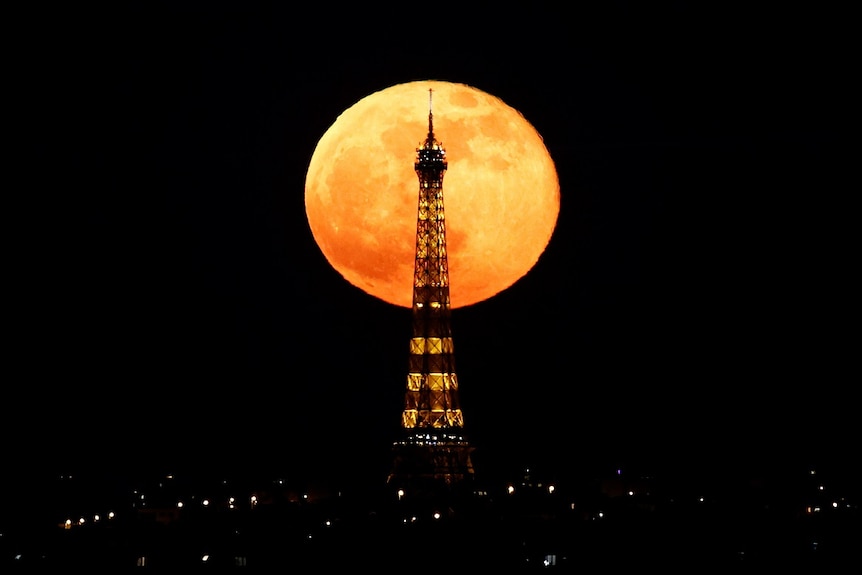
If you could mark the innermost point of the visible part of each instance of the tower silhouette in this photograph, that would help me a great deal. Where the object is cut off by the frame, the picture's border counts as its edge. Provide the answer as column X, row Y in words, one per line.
column 432, row 455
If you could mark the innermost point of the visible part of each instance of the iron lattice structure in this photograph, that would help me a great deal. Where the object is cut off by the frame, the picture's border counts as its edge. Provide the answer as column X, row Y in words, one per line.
column 433, row 451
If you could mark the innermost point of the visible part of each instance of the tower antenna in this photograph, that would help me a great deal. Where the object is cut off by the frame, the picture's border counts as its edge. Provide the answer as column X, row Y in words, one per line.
column 429, row 141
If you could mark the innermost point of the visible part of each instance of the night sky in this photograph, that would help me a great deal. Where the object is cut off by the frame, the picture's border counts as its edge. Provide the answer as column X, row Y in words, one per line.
column 696, row 306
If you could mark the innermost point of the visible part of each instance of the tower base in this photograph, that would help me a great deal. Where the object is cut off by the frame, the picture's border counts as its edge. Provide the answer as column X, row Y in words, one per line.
column 430, row 463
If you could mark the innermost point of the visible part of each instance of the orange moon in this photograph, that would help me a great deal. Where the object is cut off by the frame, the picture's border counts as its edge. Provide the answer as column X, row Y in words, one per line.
column 501, row 191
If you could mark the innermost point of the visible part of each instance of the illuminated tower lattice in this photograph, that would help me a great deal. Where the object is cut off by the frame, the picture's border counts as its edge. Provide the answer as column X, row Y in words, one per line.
column 433, row 451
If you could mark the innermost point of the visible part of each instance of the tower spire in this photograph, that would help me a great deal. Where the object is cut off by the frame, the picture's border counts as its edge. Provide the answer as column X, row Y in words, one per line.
column 430, row 138
column 433, row 451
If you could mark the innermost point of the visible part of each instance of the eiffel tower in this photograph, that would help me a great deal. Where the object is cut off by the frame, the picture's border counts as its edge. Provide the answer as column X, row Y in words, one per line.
column 432, row 456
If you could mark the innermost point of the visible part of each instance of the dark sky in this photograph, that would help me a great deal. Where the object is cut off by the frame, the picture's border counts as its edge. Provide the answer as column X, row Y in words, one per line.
column 170, row 310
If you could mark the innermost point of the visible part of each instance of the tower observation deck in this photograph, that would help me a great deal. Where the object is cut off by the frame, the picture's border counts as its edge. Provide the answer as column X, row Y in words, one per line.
column 433, row 453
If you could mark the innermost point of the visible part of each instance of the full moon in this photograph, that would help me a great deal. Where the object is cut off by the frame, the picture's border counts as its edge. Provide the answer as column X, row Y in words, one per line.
column 501, row 191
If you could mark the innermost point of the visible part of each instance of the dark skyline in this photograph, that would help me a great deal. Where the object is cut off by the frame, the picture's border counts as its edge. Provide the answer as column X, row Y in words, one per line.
column 171, row 310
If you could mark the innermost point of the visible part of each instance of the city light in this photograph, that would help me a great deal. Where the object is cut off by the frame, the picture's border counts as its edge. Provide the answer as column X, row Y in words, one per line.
column 535, row 499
